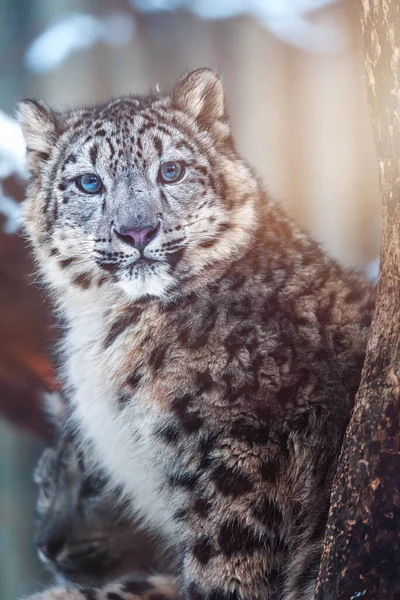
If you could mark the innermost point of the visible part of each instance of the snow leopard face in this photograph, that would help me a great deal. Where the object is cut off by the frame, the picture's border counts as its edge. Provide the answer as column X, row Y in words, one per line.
column 143, row 192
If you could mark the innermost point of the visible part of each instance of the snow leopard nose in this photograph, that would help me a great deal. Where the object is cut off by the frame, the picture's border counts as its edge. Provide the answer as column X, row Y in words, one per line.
column 51, row 548
column 138, row 238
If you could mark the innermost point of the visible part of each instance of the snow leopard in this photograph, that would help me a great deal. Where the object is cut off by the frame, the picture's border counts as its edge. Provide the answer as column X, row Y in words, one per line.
column 84, row 534
column 212, row 350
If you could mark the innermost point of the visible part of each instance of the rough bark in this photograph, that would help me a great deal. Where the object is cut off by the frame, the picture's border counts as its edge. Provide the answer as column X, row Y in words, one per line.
column 361, row 557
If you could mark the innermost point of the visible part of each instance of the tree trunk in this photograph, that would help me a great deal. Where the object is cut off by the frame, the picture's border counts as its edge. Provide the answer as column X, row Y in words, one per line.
column 361, row 556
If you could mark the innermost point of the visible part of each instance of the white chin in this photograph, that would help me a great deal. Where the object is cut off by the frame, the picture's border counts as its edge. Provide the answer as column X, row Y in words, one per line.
column 147, row 284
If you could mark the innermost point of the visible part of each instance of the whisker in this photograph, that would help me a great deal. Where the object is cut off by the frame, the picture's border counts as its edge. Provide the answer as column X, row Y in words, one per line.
column 189, row 223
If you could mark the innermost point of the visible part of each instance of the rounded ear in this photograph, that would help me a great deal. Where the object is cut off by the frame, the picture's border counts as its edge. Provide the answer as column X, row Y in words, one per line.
column 56, row 408
column 40, row 471
column 201, row 94
column 40, row 129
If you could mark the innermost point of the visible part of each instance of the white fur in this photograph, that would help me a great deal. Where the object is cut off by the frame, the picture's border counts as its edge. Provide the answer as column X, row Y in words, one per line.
column 38, row 129
column 55, row 407
column 122, row 438
column 151, row 284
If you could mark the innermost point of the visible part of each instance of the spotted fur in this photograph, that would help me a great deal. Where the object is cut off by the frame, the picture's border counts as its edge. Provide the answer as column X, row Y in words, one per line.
column 153, row 588
column 213, row 372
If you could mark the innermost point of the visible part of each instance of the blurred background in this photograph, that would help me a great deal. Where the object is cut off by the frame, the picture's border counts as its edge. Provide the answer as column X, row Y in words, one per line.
column 295, row 86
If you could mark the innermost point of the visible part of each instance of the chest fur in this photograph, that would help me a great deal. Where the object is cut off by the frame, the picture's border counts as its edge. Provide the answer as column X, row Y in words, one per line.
column 114, row 403
column 227, row 369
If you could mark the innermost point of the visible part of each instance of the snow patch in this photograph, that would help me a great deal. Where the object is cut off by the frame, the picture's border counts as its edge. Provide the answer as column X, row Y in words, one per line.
column 77, row 32
column 12, row 164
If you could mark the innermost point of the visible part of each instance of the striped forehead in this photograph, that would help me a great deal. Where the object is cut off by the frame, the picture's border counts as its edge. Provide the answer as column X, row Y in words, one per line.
column 126, row 136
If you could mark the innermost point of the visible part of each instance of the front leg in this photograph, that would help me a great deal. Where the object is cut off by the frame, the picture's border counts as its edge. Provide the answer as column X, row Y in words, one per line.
column 236, row 545
column 249, row 534
column 233, row 560
column 154, row 588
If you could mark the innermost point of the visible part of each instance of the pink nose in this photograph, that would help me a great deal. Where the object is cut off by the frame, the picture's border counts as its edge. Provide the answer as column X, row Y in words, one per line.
column 138, row 238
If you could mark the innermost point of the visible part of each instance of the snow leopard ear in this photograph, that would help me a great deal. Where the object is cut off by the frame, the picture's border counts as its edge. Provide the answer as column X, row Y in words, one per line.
column 47, row 458
column 39, row 126
column 56, row 408
column 201, row 94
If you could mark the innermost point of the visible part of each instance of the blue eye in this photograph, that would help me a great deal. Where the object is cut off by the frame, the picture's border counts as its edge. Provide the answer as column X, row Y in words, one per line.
column 89, row 183
column 172, row 171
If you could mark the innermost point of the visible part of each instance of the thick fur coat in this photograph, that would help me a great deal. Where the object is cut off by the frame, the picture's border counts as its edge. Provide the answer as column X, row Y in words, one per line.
column 212, row 350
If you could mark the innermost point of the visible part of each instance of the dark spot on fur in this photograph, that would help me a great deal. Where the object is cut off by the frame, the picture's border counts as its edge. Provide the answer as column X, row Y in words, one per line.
column 114, row 596
column 158, row 145
column 252, row 434
column 273, row 576
column 181, row 404
column 203, row 549
column 240, row 338
column 123, row 399
column 191, row 423
column 208, row 243
column 54, row 252
column 118, row 327
column 186, row 480
column 156, row 357
column 169, row 433
column 137, row 587
column 66, row 262
column 93, row 152
column 202, row 170
column 173, row 258
column 42, row 156
column 180, row 514
column 238, row 282
column 204, row 381
column 83, row 281
column 287, row 395
column 268, row 471
column 193, row 339
column 194, row 593
column 224, row 227
column 235, row 537
column 133, row 380
column 301, row 423
column 196, row 330
column 71, row 159
column 206, row 448
column 230, row 482
column 189, row 419
column 202, row 507
column 107, row 266
column 354, row 295
column 218, row 593
column 240, row 307
column 268, row 512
